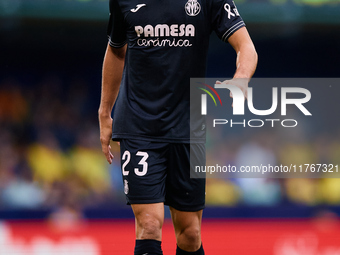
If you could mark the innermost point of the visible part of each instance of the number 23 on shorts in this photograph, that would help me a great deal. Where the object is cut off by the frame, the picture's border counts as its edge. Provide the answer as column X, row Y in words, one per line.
column 127, row 157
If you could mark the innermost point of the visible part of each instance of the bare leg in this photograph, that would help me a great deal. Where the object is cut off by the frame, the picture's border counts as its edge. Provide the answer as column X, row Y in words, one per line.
column 187, row 229
column 149, row 220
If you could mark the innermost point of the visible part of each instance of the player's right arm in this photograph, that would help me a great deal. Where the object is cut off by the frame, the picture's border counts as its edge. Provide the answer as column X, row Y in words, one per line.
column 111, row 77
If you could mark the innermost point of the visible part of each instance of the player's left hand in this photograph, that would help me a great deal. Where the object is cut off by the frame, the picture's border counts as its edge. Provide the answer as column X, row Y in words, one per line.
column 241, row 83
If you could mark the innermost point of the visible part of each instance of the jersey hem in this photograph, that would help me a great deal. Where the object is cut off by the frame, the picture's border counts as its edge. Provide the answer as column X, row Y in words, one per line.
column 144, row 201
column 188, row 208
column 118, row 137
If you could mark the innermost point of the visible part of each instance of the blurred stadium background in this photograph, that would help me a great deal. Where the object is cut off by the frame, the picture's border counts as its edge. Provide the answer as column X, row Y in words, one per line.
column 59, row 196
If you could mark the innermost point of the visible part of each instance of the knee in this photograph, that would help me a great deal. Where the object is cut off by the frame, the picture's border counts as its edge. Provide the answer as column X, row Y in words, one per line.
column 149, row 228
column 192, row 234
column 190, row 238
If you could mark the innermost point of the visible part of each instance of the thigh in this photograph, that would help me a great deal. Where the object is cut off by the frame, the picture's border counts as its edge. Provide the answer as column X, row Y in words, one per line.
column 144, row 171
column 183, row 192
column 183, row 219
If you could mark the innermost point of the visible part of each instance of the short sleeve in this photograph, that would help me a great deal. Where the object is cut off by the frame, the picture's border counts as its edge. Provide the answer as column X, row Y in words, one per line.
column 225, row 18
column 116, row 31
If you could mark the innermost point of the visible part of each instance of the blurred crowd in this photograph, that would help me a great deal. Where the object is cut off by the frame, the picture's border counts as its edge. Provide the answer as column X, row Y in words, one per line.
column 314, row 179
column 50, row 154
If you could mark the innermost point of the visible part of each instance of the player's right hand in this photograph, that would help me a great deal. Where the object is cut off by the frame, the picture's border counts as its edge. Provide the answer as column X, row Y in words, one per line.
column 105, row 125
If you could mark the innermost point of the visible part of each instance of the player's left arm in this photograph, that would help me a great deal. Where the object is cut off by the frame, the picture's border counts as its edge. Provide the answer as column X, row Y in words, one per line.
column 246, row 60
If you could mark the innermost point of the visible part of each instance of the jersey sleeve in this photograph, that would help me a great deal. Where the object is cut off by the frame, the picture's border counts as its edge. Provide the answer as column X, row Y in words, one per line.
column 116, row 31
column 225, row 18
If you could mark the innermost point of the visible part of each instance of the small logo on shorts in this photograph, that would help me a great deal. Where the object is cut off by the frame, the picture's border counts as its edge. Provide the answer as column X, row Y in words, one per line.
column 192, row 7
column 126, row 187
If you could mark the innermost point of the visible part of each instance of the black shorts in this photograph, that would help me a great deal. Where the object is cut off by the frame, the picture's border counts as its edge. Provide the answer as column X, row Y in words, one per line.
column 156, row 172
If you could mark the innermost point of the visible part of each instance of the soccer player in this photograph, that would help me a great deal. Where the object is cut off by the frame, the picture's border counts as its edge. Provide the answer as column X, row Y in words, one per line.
column 154, row 47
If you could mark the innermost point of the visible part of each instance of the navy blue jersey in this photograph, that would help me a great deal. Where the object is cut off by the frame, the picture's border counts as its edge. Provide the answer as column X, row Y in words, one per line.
column 167, row 44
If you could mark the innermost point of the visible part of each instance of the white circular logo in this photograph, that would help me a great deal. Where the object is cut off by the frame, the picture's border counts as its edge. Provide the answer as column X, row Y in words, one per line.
column 192, row 7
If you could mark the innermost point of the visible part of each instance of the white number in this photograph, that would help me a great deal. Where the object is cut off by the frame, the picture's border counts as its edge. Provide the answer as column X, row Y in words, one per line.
column 128, row 155
column 142, row 162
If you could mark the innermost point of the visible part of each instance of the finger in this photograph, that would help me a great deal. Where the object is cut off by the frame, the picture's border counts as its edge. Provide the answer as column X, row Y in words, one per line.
column 107, row 152
column 218, row 82
column 109, row 160
column 110, row 152
column 109, row 157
